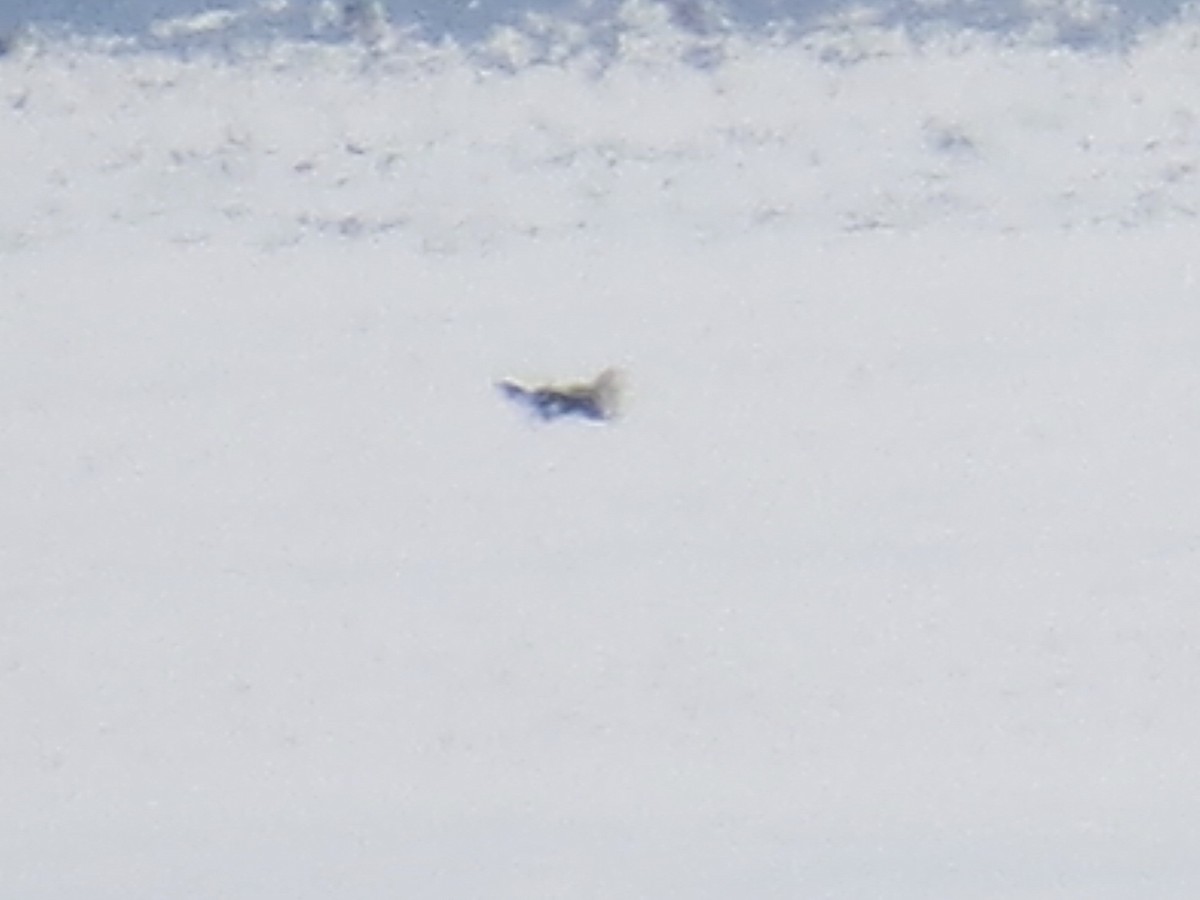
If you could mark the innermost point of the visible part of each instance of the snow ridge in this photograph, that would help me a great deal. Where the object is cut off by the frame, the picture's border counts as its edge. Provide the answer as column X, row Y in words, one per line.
column 845, row 128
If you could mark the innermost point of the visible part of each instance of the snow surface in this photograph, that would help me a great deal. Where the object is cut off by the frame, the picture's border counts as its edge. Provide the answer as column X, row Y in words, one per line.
column 885, row 586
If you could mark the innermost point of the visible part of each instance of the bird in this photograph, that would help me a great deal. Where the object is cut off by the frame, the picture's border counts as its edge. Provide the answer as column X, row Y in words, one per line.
column 597, row 400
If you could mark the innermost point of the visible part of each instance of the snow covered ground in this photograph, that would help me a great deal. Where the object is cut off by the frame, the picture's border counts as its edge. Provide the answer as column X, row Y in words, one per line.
column 887, row 585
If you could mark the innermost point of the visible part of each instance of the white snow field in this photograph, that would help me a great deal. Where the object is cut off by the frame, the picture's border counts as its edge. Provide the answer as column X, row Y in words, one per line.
column 886, row 584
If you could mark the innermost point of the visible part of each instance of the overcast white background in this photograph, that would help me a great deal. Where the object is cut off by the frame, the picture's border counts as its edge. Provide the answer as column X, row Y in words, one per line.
column 884, row 586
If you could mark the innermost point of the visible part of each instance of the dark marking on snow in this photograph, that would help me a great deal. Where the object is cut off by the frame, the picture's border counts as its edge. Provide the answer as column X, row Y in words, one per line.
column 595, row 400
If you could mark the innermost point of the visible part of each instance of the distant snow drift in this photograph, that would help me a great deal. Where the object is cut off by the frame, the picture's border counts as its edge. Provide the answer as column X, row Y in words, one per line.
column 1080, row 24
column 448, row 148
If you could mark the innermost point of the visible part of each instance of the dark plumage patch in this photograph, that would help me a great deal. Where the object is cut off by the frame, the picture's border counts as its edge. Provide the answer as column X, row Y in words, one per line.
column 595, row 400
column 547, row 403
